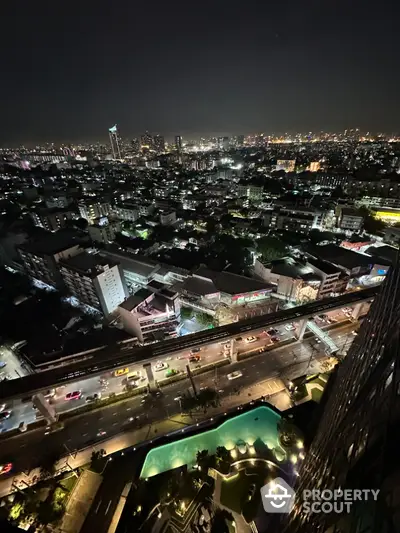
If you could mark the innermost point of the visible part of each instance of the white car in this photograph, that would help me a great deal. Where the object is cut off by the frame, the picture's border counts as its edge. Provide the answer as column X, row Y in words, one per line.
column 251, row 339
column 160, row 366
column 234, row 375
column 290, row 327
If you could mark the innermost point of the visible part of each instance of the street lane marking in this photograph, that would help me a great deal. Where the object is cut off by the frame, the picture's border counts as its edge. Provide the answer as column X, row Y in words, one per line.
column 98, row 506
column 108, row 507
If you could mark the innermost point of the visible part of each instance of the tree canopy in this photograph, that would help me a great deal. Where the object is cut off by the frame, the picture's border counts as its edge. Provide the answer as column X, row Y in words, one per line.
column 271, row 248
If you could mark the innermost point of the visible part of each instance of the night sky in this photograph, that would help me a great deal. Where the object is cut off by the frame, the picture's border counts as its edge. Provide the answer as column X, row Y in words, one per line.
column 70, row 70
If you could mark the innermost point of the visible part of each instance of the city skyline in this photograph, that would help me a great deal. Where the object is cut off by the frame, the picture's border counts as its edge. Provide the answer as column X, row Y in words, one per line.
column 166, row 69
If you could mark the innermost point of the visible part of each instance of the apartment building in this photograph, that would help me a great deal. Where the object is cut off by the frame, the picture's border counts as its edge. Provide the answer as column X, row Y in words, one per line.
column 92, row 210
column 41, row 258
column 52, row 219
column 94, row 280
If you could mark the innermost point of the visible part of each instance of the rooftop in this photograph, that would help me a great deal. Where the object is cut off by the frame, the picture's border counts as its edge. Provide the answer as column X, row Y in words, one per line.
column 88, row 264
column 51, row 243
column 135, row 299
column 385, row 254
column 287, row 266
column 205, row 281
column 339, row 256
column 324, row 266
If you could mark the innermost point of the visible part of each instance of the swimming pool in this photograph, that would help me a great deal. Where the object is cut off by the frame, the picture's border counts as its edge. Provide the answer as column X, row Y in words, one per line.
column 259, row 423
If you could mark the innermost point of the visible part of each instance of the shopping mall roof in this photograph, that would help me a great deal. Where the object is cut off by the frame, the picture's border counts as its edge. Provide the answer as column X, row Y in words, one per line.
column 287, row 266
column 205, row 281
column 339, row 256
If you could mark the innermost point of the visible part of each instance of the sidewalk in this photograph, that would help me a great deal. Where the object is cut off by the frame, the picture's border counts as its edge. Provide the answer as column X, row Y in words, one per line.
column 273, row 387
column 80, row 501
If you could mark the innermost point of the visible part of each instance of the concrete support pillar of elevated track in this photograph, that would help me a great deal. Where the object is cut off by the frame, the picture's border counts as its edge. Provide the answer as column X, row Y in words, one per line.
column 232, row 351
column 356, row 311
column 300, row 329
column 45, row 409
column 150, row 376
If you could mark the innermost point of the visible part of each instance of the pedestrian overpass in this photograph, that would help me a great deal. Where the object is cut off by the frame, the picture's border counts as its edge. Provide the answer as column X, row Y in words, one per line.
column 322, row 336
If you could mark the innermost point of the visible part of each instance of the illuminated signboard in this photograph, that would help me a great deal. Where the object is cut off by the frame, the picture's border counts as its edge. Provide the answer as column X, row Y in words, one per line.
column 381, row 272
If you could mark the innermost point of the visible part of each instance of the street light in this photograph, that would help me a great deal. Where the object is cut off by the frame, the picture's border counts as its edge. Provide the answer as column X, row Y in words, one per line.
column 105, row 466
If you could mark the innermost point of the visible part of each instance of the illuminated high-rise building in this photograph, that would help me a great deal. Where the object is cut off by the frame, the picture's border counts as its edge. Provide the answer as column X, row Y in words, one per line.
column 159, row 143
column 357, row 443
column 135, row 143
column 178, row 143
column 223, row 143
column 115, row 141
column 147, row 141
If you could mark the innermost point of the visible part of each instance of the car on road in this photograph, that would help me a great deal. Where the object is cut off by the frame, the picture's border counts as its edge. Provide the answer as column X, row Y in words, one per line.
column 2, row 364
column 101, row 433
column 290, row 327
column 151, row 396
column 272, row 332
column 195, row 351
column 4, row 415
column 121, row 372
column 6, row 468
column 93, row 398
column 178, row 398
column 160, row 366
column 74, row 395
column 194, row 358
column 136, row 375
column 274, row 338
column 238, row 339
column 251, row 339
column 171, row 372
column 50, row 394
column 234, row 375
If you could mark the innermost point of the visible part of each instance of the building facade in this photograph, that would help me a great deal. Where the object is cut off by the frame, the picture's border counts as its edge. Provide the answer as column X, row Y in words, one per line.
column 357, row 440
column 95, row 281
column 90, row 211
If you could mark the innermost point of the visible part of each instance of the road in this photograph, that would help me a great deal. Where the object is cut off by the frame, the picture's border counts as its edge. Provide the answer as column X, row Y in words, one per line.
column 26, row 450
column 10, row 366
column 24, row 412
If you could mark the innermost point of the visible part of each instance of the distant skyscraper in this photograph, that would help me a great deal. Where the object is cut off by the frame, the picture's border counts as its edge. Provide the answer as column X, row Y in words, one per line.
column 178, row 143
column 115, row 141
column 358, row 439
column 147, row 141
column 240, row 141
column 223, row 143
column 135, row 145
column 159, row 143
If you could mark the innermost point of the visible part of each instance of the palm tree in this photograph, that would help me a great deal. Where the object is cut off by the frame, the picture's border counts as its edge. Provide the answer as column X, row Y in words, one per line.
column 222, row 455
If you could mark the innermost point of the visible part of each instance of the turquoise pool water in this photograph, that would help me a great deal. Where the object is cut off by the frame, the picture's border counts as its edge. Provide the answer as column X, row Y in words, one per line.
column 260, row 423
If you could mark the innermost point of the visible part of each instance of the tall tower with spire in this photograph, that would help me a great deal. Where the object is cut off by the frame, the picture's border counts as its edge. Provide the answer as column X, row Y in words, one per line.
column 115, row 141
